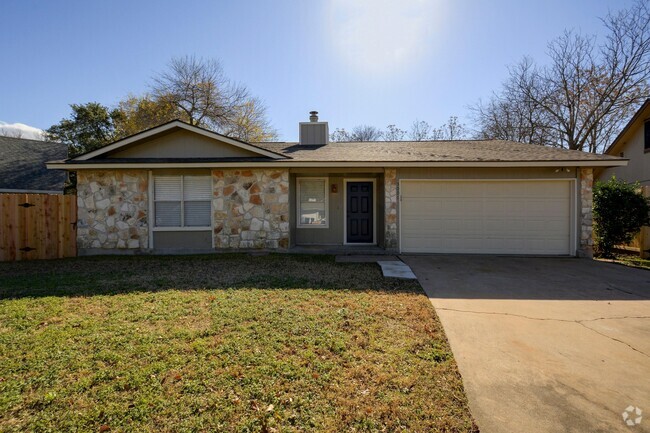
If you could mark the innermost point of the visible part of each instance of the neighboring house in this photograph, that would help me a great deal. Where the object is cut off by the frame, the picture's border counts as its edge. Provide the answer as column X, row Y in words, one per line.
column 181, row 188
column 633, row 143
column 22, row 166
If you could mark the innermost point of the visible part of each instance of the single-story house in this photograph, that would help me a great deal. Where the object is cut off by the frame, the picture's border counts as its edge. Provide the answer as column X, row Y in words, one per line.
column 22, row 166
column 178, row 187
column 632, row 143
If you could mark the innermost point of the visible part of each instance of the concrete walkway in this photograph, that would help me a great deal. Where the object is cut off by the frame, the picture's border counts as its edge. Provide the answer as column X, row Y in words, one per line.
column 545, row 344
column 396, row 269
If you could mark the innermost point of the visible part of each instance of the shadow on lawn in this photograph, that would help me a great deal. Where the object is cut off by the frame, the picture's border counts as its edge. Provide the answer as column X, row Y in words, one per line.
column 110, row 275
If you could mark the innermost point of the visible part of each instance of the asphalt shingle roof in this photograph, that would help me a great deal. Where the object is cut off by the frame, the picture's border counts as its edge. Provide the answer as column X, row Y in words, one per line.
column 430, row 151
column 22, row 164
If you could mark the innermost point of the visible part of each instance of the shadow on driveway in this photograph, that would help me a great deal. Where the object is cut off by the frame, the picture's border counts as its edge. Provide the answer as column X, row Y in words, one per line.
column 493, row 277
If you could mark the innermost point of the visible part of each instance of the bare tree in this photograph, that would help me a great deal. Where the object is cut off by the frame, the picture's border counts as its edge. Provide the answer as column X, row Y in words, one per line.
column 358, row 133
column 581, row 97
column 366, row 133
column 393, row 133
column 206, row 97
column 508, row 116
column 420, row 131
column 453, row 129
column 201, row 90
column 340, row 134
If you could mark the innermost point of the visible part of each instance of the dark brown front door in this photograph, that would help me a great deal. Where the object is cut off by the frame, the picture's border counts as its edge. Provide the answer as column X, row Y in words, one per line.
column 359, row 209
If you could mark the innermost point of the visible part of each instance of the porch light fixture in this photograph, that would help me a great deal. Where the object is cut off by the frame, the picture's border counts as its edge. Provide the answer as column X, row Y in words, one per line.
column 334, row 188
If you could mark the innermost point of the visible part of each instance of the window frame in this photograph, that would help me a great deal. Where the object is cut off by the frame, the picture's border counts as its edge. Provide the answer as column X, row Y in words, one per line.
column 326, row 202
column 182, row 227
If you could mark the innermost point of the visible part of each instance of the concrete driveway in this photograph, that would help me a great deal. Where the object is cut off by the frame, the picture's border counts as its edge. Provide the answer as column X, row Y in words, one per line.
column 545, row 344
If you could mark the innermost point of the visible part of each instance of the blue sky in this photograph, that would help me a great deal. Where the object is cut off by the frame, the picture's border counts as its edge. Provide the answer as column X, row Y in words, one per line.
column 355, row 61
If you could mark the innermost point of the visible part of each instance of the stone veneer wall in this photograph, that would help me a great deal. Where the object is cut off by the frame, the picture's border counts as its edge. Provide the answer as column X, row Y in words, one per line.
column 586, row 213
column 251, row 208
column 390, row 209
column 112, row 208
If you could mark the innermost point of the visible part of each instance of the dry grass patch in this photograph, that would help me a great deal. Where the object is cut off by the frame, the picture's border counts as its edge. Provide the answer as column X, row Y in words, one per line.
column 221, row 343
column 627, row 259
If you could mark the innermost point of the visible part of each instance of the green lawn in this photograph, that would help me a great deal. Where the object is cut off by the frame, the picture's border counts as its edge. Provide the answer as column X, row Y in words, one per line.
column 231, row 343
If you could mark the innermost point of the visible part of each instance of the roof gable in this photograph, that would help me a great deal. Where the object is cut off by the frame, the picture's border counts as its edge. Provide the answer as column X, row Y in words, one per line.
column 178, row 139
column 637, row 121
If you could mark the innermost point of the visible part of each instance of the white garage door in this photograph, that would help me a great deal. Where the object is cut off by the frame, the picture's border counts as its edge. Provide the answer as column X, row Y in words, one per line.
column 487, row 217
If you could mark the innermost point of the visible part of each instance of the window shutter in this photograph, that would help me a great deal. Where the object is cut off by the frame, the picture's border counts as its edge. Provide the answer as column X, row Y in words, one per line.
column 168, row 214
column 197, row 188
column 646, row 135
column 312, row 191
column 197, row 195
column 167, row 188
column 197, row 213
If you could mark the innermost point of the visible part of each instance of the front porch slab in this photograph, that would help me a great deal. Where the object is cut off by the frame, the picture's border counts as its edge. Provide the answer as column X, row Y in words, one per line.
column 365, row 258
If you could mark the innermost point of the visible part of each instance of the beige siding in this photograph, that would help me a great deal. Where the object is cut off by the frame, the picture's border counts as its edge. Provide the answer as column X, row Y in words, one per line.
column 334, row 234
column 638, row 167
column 181, row 144
column 183, row 240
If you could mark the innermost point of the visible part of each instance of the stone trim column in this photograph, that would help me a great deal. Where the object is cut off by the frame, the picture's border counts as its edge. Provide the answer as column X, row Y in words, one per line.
column 391, row 241
column 251, row 209
column 586, row 248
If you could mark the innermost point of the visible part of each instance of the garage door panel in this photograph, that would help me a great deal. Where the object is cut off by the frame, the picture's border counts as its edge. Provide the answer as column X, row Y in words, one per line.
column 501, row 217
column 444, row 207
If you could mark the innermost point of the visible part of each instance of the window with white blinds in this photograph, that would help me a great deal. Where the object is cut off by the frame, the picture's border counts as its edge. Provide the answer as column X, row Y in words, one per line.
column 312, row 203
column 182, row 201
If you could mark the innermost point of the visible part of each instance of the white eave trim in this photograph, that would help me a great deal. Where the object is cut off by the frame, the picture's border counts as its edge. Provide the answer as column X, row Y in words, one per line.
column 172, row 125
column 308, row 164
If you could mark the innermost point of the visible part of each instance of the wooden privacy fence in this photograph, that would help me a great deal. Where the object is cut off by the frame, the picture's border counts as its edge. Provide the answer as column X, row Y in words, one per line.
column 37, row 226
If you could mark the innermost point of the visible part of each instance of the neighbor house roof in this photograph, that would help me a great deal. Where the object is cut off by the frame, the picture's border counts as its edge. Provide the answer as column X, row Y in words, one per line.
column 375, row 154
column 22, row 165
column 641, row 115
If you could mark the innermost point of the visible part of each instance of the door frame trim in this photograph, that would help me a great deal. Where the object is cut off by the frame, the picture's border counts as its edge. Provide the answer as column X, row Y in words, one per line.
column 345, row 210
column 573, row 202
